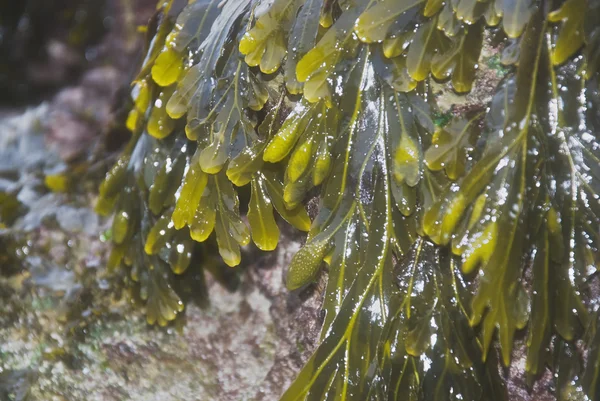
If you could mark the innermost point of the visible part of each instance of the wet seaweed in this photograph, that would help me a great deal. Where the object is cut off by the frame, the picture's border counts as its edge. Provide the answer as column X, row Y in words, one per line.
column 439, row 238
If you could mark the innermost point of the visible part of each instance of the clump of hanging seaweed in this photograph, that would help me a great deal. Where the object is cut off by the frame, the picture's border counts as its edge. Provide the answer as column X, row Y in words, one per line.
column 438, row 240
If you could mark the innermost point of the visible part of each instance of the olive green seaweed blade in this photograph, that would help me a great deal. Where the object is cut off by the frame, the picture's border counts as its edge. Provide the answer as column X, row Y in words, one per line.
column 338, row 43
column 375, row 23
column 113, row 183
column 546, row 269
column 516, row 14
column 302, row 38
column 427, row 42
column 452, row 145
column 167, row 68
column 346, row 259
column 163, row 304
column 393, row 71
column 429, row 315
column 590, row 379
column 461, row 60
column 432, row 7
column 160, row 124
column 297, row 216
column 164, row 20
column 511, row 120
column 243, row 167
column 193, row 25
column 571, row 35
column 349, row 346
column 495, row 229
column 232, row 118
column 191, row 192
column 575, row 207
column 360, row 277
column 567, row 366
column 592, row 39
column 286, row 137
column 310, row 160
column 265, row 232
column 196, row 88
column 230, row 230
column 168, row 178
column 265, row 44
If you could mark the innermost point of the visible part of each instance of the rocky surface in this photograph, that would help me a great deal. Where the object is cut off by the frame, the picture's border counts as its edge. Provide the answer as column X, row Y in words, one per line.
column 75, row 341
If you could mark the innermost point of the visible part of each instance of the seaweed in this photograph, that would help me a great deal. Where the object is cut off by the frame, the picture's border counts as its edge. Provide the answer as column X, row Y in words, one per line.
column 439, row 236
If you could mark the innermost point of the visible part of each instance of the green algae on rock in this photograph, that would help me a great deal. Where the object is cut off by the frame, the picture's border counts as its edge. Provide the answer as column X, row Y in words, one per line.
column 437, row 240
